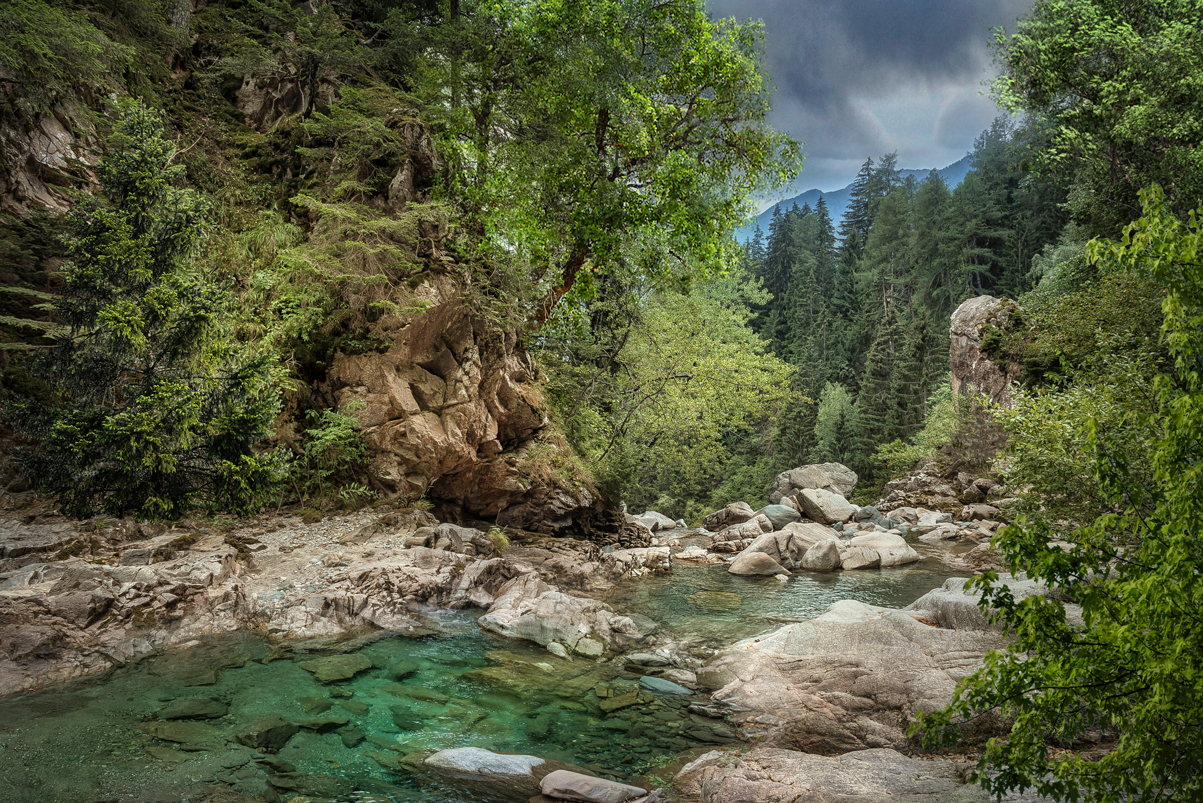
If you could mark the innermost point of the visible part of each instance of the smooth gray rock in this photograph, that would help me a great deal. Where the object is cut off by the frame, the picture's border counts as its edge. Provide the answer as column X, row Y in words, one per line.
column 859, row 557
column 780, row 515
column 893, row 549
column 478, row 761
column 567, row 785
column 755, row 563
column 662, row 686
column 850, row 678
column 834, row 477
column 863, row 776
column 822, row 557
column 956, row 608
column 825, row 507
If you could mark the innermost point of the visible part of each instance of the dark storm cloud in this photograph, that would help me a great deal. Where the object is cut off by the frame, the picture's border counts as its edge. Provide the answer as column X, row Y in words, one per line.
column 858, row 78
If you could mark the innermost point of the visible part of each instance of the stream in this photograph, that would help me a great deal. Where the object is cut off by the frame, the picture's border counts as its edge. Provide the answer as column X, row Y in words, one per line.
column 107, row 738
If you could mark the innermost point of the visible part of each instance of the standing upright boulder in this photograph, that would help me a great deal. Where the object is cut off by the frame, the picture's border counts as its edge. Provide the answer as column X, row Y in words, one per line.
column 834, row 477
column 973, row 371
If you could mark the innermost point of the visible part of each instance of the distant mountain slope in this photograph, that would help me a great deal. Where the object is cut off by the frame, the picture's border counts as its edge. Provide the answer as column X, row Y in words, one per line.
column 837, row 201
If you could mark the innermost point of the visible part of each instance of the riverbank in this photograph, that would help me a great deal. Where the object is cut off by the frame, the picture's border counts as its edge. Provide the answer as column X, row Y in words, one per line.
column 377, row 586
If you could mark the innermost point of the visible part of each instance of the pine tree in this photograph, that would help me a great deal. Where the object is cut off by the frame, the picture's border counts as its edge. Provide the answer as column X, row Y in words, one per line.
column 159, row 408
column 876, row 421
column 835, row 427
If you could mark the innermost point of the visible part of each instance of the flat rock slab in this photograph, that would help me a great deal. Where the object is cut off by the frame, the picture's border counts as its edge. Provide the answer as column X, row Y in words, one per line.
column 566, row 785
column 189, row 735
column 772, row 774
column 660, row 686
column 336, row 667
column 267, row 731
column 193, row 708
column 478, row 761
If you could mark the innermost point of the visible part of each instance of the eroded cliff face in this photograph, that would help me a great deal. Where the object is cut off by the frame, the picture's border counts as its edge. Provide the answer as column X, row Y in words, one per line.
column 451, row 411
column 43, row 155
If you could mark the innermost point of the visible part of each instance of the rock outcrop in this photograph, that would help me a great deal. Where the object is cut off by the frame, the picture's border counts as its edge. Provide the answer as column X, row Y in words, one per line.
column 451, row 409
column 849, row 679
column 773, row 775
column 530, row 609
column 972, row 370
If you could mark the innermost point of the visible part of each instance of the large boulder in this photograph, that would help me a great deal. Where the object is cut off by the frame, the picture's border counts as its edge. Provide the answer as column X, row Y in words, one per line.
column 655, row 521
column 957, row 608
column 859, row 557
column 755, row 564
column 822, row 557
column 893, row 549
column 850, row 679
column 528, row 608
column 786, row 547
column 834, row 477
column 774, row 775
column 567, row 785
column 824, row 506
column 488, row 775
column 806, row 534
column 972, row 369
column 734, row 513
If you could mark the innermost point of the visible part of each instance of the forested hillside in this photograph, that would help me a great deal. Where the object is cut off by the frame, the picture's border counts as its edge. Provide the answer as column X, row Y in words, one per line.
column 451, row 180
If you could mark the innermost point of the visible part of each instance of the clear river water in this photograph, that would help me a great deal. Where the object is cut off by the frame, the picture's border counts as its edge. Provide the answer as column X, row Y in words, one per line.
column 102, row 739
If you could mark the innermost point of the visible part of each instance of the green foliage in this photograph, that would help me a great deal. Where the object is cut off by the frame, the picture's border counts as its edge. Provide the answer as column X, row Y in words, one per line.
column 686, row 382
column 500, row 540
column 333, row 455
column 939, row 429
column 157, row 408
column 835, row 426
column 1116, row 87
column 574, row 130
column 52, row 52
column 1133, row 563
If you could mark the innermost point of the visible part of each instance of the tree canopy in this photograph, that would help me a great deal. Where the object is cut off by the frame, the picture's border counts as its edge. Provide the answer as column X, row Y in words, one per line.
column 1116, row 89
column 1134, row 665
column 573, row 130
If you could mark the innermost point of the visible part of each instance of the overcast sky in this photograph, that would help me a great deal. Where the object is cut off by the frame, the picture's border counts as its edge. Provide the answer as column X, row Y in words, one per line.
column 859, row 78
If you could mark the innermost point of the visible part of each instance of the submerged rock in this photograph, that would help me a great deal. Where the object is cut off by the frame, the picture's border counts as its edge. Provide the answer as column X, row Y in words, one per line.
column 193, row 708
column 336, row 667
column 266, row 731
column 662, row 686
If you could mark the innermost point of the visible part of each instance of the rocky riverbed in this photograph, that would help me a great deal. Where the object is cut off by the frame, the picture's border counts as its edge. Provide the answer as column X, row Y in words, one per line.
column 578, row 670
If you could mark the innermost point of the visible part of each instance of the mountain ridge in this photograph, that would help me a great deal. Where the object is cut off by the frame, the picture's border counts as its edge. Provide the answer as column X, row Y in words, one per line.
column 837, row 200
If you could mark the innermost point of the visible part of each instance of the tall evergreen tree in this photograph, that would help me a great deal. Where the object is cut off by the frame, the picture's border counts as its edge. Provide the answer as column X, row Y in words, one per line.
column 159, row 409
column 876, row 406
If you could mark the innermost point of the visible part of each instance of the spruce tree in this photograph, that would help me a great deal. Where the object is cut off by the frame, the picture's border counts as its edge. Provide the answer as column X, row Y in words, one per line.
column 158, row 409
column 876, row 421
